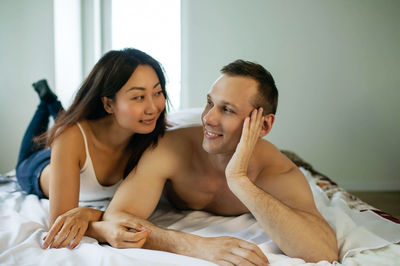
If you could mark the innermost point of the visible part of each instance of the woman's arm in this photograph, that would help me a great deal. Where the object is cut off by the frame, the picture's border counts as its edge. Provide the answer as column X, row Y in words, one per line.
column 67, row 221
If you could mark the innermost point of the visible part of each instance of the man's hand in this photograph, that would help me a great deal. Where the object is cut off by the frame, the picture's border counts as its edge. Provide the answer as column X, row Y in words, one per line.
column 237, row 166
column 229, row 251
column 124, row 233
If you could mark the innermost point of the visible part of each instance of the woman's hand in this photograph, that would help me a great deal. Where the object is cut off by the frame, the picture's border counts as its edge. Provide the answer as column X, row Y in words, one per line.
column 69, row 228
column 237, row 166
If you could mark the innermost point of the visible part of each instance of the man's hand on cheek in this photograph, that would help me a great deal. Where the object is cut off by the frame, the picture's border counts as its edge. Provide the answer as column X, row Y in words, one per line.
column 237, row 166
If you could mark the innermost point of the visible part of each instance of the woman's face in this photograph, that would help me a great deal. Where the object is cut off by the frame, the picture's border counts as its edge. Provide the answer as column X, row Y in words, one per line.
column 139, row 102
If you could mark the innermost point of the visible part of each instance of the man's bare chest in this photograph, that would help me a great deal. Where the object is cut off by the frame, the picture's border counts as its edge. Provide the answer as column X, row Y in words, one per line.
column 204, row 191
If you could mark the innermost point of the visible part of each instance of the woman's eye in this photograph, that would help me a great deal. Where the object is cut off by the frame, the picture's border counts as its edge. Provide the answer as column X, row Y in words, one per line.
column 136, row 98
column 158, row 93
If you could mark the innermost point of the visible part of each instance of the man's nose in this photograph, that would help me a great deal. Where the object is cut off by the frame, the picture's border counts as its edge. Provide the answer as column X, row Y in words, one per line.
column 211, row 117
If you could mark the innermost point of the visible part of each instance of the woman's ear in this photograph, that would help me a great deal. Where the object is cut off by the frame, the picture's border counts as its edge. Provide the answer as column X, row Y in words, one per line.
column 107, row 104
column 268, row 121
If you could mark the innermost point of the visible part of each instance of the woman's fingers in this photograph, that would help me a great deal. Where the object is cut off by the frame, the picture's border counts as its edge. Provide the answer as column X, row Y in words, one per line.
column 253, row 248
column 78, row 237
column 53, row 232
column 71, row 235
column 62, row 235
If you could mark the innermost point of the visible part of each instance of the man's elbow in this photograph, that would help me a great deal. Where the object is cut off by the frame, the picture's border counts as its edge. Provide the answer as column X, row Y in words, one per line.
column 329, row 254
column 331, row 257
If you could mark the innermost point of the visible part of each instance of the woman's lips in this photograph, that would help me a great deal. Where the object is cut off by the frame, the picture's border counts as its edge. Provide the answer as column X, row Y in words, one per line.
column 148, row 121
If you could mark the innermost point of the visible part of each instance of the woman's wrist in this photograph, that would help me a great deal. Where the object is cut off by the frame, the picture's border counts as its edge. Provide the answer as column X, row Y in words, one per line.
column 95, row 230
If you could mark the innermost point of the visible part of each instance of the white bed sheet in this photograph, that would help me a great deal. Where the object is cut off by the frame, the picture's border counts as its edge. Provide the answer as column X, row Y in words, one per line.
column 365, row 238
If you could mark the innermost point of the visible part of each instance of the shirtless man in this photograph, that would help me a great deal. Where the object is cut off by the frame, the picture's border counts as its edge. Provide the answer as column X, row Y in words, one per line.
column 225, row 167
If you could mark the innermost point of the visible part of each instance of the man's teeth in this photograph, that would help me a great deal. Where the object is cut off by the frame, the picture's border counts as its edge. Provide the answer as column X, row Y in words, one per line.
column 212, row 134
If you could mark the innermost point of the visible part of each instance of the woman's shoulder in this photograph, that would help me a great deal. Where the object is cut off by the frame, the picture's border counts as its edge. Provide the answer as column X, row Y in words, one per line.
column 70, row 140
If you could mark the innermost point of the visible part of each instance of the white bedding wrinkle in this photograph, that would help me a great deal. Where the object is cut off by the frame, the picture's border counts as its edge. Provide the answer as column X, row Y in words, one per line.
column 363, row 237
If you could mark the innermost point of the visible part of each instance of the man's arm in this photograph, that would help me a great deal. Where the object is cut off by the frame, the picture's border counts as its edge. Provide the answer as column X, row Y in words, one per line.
column 280, row 199
column 137, row 197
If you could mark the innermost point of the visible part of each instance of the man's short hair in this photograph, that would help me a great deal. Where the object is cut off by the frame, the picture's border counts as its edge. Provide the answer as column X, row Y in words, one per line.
column 267, row 96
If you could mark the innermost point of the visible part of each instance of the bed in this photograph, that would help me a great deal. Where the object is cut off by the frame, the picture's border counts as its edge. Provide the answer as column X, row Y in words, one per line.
column 366, row 235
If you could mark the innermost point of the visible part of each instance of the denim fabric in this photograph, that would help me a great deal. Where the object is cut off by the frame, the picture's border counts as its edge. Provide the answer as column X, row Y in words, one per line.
column 32, row 157
column 29, row 171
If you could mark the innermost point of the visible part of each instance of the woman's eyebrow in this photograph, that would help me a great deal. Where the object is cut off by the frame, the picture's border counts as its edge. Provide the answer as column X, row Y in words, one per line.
column 155, row 86
column 142, row 88
column 135, row 88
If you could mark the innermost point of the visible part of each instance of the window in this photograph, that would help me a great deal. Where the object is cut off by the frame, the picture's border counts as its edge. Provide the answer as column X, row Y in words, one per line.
column 152, row 26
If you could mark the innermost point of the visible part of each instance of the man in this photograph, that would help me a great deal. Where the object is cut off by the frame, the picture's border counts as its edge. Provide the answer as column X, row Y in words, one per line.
column 225, row 167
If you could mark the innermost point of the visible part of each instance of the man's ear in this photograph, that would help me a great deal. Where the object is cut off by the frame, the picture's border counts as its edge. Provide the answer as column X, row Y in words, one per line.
column 107, row 104
column 268, row 121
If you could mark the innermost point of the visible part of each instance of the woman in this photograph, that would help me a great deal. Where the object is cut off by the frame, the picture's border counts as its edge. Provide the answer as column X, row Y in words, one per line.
column 117, row 113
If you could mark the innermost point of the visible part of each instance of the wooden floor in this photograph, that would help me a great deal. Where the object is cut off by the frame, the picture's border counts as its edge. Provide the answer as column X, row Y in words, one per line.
column 387, row 201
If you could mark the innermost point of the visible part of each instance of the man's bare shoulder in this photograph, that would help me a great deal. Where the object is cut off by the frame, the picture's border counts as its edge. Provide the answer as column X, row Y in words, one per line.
column 180, row 141
column 281, row 178
column 173, row 150
column 270, row 159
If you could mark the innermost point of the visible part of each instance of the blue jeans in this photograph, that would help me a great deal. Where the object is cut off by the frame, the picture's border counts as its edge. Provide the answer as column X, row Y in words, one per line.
column 33, row 158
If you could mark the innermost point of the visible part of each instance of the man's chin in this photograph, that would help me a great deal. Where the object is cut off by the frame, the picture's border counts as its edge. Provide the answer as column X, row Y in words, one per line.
column 210, row 150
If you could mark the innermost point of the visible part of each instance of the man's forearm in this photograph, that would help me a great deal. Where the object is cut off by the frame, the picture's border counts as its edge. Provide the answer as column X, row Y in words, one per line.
column 159, row 238
column 220, row 250
column 297, row 233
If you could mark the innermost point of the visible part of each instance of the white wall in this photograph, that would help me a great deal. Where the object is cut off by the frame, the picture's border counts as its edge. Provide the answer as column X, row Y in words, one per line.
column 336, row 65
column 26, row 55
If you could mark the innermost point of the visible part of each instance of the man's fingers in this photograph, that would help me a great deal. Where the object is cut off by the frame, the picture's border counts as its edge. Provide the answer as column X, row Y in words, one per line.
column 255, row 249
column 140, row 243
column 135, row 236
column 256, row 119
column 132, row 225
column 129, row 244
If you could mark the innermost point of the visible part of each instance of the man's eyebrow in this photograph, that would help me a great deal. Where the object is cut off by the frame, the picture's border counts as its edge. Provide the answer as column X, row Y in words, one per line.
column 142, row 88
column 224, row 102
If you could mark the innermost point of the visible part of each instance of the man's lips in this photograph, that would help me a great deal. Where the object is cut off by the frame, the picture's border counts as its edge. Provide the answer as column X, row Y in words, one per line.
column 211, row 135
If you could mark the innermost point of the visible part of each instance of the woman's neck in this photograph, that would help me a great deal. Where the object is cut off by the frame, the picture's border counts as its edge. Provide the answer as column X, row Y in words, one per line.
column 106, row 132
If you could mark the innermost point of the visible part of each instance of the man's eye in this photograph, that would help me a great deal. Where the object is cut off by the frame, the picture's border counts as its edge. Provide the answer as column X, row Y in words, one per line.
column 209, row 103
column 227, row 110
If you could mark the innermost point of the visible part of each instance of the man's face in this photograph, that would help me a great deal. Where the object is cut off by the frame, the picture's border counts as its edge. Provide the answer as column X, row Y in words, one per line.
column 228, row 103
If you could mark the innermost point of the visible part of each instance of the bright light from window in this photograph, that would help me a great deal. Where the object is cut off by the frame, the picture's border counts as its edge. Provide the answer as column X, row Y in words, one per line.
column 152, row 26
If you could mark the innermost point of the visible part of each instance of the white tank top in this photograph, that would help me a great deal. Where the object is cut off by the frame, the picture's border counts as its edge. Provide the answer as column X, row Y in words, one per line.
column 90, row 188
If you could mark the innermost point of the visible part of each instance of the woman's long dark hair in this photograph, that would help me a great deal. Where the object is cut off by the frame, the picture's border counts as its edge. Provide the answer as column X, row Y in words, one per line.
column 107, row 77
